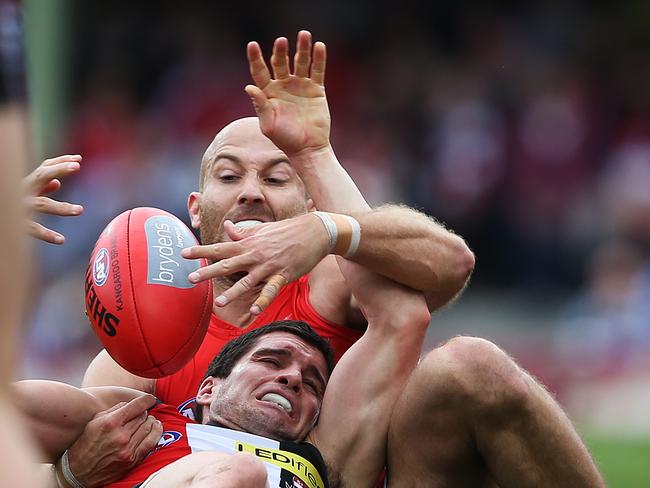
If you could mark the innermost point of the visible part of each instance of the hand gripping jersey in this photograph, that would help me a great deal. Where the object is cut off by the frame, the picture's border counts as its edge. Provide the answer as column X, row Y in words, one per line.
column 292, row 303
column 288, row 464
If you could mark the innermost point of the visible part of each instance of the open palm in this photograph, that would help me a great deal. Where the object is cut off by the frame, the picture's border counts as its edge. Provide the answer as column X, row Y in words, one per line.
column 292, row 107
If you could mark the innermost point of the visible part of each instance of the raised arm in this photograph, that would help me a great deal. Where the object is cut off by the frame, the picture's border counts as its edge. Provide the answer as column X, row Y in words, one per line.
column 399, row 242
column 353, row 425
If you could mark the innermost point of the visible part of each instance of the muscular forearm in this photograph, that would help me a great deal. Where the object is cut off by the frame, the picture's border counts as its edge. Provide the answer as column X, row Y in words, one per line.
column 411, row 248
column 327, row 182
column 398, row 242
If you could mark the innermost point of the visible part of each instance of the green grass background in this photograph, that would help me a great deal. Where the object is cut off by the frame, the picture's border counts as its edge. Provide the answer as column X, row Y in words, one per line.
column 624, row 462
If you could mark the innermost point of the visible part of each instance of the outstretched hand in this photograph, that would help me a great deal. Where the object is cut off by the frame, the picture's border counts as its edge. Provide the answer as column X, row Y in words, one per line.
column 43, row 181
column 292, row 107
column 272, row 254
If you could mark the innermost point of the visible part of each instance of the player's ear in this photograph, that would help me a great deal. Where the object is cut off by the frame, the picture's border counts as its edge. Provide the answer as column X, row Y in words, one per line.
column 310, row 205
column 193, row 208
column 206, row 391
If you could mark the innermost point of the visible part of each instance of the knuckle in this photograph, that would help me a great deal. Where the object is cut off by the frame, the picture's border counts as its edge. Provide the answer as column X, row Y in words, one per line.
column 39, row 173
column 246, row 282
column 107, row 424
column 122, row 439
column 124, row 456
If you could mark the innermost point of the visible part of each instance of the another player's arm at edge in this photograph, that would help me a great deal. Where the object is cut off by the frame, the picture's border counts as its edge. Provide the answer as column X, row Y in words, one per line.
column 57, row 413
column 353, row 425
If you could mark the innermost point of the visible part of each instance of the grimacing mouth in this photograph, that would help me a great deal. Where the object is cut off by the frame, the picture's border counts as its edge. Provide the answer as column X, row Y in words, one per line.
column 279, row 400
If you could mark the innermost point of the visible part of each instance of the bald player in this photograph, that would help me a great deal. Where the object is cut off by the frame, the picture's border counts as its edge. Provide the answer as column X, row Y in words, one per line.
column 477, row 416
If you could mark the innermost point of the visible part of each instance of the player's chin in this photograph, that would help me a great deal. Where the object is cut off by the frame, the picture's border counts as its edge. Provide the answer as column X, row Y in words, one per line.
column 280, row 429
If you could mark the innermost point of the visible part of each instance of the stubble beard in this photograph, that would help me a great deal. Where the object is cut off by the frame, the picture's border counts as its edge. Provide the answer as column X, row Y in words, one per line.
column 227, row 411
column 211, row 232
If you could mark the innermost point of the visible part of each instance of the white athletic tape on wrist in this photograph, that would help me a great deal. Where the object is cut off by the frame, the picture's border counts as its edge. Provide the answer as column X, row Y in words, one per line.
column 330, row 227
column 335, row 225
column 67, row 473
column 355, row 239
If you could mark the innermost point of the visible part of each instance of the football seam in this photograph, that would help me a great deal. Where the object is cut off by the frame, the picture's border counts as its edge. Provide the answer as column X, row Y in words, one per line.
column 197, row 327
column 135, row 305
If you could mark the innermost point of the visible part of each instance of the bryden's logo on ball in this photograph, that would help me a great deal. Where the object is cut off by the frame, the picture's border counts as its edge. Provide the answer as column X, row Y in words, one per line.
column 166, row 236
column 101, row 267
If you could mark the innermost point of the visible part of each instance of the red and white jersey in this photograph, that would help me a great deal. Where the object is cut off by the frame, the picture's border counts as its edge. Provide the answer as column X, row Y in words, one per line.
column 292, row 303
column 288, row 464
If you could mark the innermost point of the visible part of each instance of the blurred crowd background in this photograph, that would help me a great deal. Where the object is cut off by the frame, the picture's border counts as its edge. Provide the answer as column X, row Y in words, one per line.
column 524, row 127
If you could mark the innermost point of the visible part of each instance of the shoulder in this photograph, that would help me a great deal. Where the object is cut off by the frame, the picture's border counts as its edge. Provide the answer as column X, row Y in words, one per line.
column 104, row 371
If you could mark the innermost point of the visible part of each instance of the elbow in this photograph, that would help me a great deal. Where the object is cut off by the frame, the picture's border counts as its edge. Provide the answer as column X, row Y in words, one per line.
column 460, row 264
column 413, row 317
column 465, row 261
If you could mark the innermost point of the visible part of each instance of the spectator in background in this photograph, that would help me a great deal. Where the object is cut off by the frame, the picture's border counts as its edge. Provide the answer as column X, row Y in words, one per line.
column 606, row 328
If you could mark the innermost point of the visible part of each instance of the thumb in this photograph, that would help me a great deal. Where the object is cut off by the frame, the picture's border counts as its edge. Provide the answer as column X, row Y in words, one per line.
column 234, row 233
column 260, row 102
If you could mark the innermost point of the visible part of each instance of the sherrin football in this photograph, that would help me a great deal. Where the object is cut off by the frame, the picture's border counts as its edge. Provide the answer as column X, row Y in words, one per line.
column 148, row 316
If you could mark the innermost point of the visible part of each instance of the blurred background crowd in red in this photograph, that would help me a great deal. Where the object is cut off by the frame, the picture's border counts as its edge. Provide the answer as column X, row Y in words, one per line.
column 525, row 129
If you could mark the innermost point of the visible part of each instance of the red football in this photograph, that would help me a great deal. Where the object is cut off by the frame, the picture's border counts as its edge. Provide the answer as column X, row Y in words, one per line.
column 147, row 314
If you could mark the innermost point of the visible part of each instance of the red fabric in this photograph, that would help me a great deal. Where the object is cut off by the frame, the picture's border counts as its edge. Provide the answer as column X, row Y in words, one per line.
column 292, row 303
column 171, row 447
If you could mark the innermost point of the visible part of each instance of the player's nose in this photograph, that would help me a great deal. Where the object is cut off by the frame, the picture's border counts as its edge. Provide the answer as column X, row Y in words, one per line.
column 291, row 378
column 251, row 191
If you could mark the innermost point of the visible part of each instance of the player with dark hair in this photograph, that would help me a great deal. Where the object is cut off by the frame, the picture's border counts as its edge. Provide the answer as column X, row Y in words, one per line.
column 284, row 262
column 275, row 382
column 476, row 415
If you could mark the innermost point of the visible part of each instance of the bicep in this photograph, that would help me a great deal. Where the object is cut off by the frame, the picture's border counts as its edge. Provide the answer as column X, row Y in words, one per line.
column 104, row 371
column 358, row 401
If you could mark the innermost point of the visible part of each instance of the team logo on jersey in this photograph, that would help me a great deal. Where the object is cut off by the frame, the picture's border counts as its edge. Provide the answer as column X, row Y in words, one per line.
column 187, row 408
column 101, row 267
column 168, row 437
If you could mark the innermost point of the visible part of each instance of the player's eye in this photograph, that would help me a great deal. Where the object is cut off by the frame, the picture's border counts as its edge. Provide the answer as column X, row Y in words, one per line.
column 227, row 178
column 275, row 181
column 272, row 361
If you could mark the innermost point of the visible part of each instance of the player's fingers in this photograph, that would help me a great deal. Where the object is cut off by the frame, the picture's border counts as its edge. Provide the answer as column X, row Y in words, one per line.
column 109, row 410
column 133, row 425
column 212, row 252
column 242, row 230
column 280, row 59
column 50, row 187
column 150, row 441
column 318, row 64
column 268, row 293
column 242, row 286
column 142, row 432
column 257, row 65
column 259, row 100
column 62, row 159
column 223, row 267
column 303, row 54
column 134, row 408
column 42, row 233
column 42, row 175
column 52, row 207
